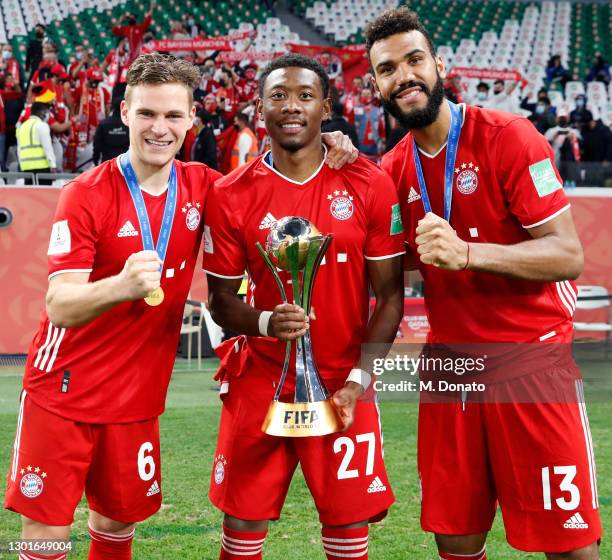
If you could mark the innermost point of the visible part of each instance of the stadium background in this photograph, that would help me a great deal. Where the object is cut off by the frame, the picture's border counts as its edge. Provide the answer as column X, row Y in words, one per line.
column 481, row 42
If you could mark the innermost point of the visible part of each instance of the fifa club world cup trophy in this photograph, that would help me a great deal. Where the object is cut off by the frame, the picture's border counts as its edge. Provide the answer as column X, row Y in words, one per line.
column 297, row 246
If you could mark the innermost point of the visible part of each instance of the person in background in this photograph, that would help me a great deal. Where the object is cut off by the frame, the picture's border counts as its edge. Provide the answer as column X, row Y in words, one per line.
column 544, row 116
column 556, row 73
column 115, row 67
column 565, row 141
column 34, row 53
column 34, row 148
column 369, row 124
column 205, row 148
column 128, row 27
column 599, row 71
column 245, row 147
column 580, row 117
column 530, row 104
column 597, row 142
column 112, row 136
column 218, row 120
column 9, row 64
column 352, row 99
column 339, row 122
column 453, row 90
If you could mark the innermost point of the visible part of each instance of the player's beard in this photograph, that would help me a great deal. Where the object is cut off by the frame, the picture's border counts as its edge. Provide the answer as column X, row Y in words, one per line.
column 418, row 118
column 292, row 145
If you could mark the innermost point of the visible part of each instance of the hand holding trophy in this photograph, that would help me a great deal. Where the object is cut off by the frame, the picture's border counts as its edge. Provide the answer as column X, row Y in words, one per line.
column 296, row 245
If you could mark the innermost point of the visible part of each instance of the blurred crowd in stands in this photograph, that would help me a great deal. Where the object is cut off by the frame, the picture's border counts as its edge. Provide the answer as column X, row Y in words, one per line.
column 74, row 105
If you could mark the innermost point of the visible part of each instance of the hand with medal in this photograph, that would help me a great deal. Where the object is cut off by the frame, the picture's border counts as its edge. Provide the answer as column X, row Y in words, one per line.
column 141, row 275
column 438, row 244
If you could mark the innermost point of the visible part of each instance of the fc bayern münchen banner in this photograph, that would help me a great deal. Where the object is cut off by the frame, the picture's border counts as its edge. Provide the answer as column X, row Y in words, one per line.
column 488, row 74
column 354, row 60
column 210, row 44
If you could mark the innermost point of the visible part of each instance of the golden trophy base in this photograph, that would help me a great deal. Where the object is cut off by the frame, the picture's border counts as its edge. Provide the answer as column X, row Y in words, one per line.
column 302, row 419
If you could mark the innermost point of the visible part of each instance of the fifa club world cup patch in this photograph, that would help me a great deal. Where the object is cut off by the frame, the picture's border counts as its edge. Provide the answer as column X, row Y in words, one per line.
column 59, row 243
column 396, row 220
column 219, row 470
column 32, row 481
column 467, row 178
column 192, row 215
column 341, row 206
column 544, row 177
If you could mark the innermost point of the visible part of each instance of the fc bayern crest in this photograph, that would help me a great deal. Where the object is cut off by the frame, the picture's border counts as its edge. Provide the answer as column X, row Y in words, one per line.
column 192, row 219
column 31, row 485
column 341, row 205
column 467, row 178
column 219, row 470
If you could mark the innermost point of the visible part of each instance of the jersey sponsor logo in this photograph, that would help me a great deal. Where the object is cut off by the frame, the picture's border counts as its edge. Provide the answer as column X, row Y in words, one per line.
column 219, row 470
column 396, row 220
column 341, row 206
column 208, row 242
column 376, row 486
column 576, row 522
column 413, row 195
column 154, row 489
column 31, row 483
column 127, row 230
column 60, row 242
column 544, row 177
column 268, row 221
column 467, row 178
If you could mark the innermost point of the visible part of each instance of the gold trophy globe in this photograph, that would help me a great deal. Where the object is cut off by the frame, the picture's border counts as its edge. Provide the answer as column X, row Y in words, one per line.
column 295, row 245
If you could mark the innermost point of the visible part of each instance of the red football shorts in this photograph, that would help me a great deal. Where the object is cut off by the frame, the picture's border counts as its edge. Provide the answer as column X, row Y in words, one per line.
column 345, row 472
column 55, row 459
column 535, row 459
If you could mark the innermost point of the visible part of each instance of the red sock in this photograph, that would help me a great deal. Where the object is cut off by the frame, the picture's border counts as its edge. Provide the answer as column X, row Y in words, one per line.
column 32, row 556
column 240, row 545
column 482, row 555
column 110, row 546
column 345, row 543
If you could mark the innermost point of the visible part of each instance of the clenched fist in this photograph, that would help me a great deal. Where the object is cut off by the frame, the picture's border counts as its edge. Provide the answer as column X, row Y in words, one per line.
column 288, row 322
column 438, row 244
column 141, row 275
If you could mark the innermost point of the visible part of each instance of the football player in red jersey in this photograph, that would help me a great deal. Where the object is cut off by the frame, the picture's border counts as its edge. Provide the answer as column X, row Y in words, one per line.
column 358, row 206
column 98, row 369
column 488, row 225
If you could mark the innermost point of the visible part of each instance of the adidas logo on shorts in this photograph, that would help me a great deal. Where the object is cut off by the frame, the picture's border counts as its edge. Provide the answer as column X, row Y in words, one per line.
column 268, row 221
column 376, row 486
column 576, row 522
column 413, row 196
column 155, row 489
column 127, row 230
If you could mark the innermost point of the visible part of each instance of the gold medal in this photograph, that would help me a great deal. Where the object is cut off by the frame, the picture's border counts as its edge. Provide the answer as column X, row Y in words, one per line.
column 155, row 297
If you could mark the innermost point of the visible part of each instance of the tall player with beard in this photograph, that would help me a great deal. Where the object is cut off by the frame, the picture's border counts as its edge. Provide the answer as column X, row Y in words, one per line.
column 358, row 206
column 99, row 366
column 489, row 227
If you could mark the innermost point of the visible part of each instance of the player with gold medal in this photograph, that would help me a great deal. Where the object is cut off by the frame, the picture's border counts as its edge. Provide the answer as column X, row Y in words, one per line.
column 156, row 297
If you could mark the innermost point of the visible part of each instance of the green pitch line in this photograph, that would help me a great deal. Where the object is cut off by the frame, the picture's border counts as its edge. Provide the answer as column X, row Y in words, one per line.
column 187, row 527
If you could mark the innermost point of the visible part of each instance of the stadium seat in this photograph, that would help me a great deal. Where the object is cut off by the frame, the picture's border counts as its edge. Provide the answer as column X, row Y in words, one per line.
column 572, row 89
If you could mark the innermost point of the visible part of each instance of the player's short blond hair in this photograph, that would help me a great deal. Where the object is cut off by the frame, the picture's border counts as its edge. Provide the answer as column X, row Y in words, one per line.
column 156, row 69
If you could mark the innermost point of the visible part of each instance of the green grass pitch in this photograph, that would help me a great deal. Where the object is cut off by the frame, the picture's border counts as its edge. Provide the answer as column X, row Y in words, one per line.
column 187, row 527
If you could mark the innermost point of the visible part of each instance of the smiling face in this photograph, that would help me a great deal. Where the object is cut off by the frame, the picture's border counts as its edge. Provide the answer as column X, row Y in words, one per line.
column 158, row 117
column 409, row 78
column 293, row 107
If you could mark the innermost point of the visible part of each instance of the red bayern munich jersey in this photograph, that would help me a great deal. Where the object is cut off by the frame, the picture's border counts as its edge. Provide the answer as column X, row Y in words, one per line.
column 120, row 363
column 356, row 204
column 504, row 184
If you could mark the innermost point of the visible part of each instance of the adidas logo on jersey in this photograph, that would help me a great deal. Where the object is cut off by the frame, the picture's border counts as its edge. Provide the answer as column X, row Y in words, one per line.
column 376, row 486
column 413, row 196
column 127, row 230
column 576, row 522
column 155, row 489
column 268, row 221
